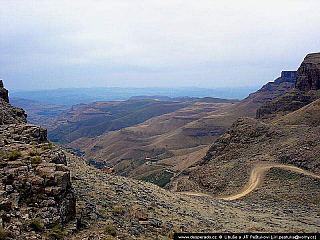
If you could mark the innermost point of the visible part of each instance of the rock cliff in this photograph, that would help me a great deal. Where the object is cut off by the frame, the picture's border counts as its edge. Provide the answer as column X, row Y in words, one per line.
column 35, row 187
column 308, row 74
column 306, row 90
column 8, row 113
column 4, row 94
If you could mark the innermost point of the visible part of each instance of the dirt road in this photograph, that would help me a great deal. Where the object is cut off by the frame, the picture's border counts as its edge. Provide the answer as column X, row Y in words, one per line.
column 256, row 178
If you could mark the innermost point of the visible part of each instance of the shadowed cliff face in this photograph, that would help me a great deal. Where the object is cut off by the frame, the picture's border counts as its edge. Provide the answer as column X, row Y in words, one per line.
column 306, row 90
column 8, row 113
column 308, row 74
column 4, row 92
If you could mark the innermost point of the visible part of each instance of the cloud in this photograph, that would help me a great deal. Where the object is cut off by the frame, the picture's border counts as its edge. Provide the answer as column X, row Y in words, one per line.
column 139, row 42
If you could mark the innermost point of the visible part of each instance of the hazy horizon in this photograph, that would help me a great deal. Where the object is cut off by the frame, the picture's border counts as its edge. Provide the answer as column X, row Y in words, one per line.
column 138, row 43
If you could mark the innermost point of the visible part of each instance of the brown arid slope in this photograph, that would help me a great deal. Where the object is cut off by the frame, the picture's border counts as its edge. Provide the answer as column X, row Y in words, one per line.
column 40, row 114
column 293, row 139
column 141, row 210
column 175, row 140
column 289, row 140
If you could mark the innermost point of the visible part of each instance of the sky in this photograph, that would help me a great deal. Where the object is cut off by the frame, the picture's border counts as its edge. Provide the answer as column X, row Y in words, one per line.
column 146, row 43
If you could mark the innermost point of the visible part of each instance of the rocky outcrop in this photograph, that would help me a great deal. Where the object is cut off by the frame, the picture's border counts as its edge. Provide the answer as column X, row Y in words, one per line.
column 8, row 113
column 35, row 185
column 274, row 89
column 4, row 94
column 306, row 90
column 308, row 74
column 35, row 180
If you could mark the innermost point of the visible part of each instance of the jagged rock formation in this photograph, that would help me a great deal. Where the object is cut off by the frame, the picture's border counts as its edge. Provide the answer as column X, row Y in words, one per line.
column 305, row 92
column 308, row 74
column 8, row 113
column 35, row 185
column 4, row 94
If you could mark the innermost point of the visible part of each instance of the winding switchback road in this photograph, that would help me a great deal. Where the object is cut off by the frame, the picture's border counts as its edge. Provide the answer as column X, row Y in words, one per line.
column 256, row 178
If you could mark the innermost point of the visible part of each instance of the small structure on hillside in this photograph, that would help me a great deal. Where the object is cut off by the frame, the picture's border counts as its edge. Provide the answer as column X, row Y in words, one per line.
column 108, row 170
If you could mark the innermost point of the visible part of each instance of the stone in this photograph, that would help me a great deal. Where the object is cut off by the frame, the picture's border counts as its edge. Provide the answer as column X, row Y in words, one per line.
column 59, row 158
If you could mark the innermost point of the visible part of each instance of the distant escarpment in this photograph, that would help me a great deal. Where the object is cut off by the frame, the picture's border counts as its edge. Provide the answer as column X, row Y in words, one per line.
column 306, row 91
column 8, row 113
column 35, row 184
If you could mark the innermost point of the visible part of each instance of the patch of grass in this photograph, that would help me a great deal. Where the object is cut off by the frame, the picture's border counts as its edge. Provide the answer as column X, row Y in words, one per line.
column 48, row 146
column 42, row 175
column 14, row 155
column 34, row 152
column 3, row 234
column 110, row 238
column 56, row 232
column 110, row 230
column 36, row 225
column 161, row 179
column 118, row 209
column 36, row 160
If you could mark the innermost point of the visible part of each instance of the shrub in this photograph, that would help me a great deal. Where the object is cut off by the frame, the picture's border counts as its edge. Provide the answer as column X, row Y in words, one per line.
column 36, row 160
column 3, row 234
column 110, row 230
column 36, row 225
column 118, row 209
column 34, row 153
column 14, row 155
column 56, row 232
column 48, row 146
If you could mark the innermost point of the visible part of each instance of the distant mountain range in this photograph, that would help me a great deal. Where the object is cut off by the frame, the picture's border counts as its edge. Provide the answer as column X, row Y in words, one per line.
column 73, row 96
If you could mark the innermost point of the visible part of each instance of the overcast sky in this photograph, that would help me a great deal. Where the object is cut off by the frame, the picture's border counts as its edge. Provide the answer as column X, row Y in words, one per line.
column 141, row 43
